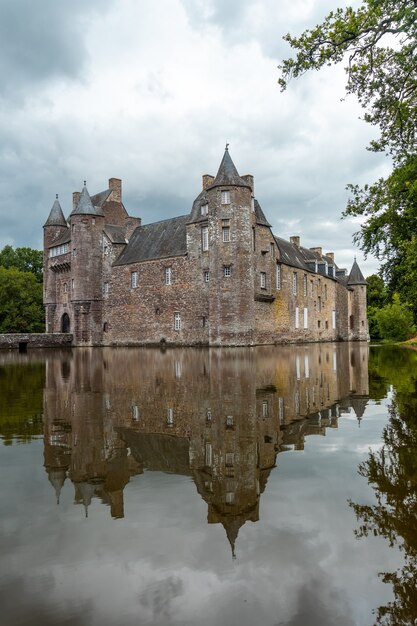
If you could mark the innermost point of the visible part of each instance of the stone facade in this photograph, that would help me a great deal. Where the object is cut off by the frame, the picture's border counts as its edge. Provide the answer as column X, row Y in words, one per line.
column 217, row 276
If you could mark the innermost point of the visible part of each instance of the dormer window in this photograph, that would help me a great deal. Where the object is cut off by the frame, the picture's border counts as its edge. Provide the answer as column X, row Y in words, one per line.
column 225, row 197
column 204, row 209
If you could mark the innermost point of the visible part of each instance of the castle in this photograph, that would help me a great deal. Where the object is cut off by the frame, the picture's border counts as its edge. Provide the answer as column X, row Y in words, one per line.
column 216, row 276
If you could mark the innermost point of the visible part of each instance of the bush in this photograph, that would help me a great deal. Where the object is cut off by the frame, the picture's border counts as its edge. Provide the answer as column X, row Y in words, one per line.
column 395, row 321
column 21, row 308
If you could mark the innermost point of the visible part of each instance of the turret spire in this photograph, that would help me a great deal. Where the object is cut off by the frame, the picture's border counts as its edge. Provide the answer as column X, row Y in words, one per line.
column 356, row 277
column 56, row 216
column 85, row 206
column 228, row 174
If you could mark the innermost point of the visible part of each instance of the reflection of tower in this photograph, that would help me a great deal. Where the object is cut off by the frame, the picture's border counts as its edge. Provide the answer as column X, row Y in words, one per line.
column 79, row 435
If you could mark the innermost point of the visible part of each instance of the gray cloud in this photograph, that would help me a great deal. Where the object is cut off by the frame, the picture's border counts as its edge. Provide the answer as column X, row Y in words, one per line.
column 40, row 41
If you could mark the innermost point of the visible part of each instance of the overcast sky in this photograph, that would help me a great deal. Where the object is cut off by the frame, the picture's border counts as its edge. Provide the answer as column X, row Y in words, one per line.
column 150, row 91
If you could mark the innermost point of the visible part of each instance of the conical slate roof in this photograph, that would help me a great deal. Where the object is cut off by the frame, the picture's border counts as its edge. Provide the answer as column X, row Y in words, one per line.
column 56, row 216
column 356, row 276
column 85, row 206
column 228, row 174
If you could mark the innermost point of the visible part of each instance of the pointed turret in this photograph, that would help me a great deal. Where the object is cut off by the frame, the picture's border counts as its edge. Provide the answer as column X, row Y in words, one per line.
column 56, row 216
column 85, row 206
column 356, row 277
column 57, row 478
column 228, row 174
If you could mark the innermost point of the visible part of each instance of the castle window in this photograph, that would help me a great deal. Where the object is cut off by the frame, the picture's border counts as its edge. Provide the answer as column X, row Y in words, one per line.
column 206, row 276
column 208, row 415
column 294, row 283
column 319, row 304
column 272, row 248
column 135, row 413
column 133, row 280
column 204, row 238
column 227, row 270
column 106, row 288
column 252, row 204
column 226, row 230
column 263, row 280
column 230, row 497
column 278, row 276
column 72, row 284
column 57, row 250
column 297, row 317
column 225, row 197
column 253, row 238
column 170, row 417
column 334, row 319
column 265, row 408
column 229, row 421
column 230, row 459
column 209, row 454
column 305, row 317
column 74, row 252
column 168, row 275
column 204, row 321
column 204, row 209
column 325, row 292
column 105, row 327
column 305, row 285
column 311, row 288
column 177, row 321
column 65, row 287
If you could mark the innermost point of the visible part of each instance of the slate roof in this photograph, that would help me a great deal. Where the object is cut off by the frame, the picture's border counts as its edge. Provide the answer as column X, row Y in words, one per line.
column 99, row 198
column 356, row 276
column 85, row 205
column 291, row 254
column 228, row 174
column 56, row 216
column 116, row 234
column 156, row 241
column 260, row 216
column 64, row 238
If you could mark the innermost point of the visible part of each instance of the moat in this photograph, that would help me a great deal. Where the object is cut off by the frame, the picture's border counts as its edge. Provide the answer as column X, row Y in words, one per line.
column 274, row 486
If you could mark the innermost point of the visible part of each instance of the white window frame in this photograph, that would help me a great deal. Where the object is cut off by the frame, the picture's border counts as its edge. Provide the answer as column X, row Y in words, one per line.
column 177, row 320
column 319, row 304
column 206, row 276
column 334, row 319
column 209, row 454
column 297, row 317
column 170, row 416
column 263, row 280
column 204, row 209
column 168, row 275
column 204, row 238
column 133, row 280
column 294, row 283
column 305, row 317
column 226, row 234
column 278, row 276
column 305, row 285
column 225, row 197
column 227, row 271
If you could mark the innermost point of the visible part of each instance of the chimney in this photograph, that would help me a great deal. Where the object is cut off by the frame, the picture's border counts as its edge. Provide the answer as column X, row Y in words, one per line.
column 115, row 186
column 75, row 199
column 330, row 255
column 248, row 178
column 207, row 181
column 295, row 240
column 317, row 250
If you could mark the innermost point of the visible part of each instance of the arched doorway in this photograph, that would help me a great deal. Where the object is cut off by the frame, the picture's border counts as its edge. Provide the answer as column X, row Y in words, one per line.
column 65, row 323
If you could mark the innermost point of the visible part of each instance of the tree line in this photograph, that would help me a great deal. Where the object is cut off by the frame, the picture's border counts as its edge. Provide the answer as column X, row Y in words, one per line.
column 21, row 280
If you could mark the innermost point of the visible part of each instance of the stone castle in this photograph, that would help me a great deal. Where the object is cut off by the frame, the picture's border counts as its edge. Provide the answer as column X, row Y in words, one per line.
column 216, row 276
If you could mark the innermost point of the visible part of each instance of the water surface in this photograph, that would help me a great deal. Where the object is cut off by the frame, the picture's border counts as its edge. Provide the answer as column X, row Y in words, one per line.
column 270, row 486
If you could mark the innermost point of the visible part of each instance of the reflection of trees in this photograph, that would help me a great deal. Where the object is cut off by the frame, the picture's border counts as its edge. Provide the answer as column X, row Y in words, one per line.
column 392, row 471
column 21, row 401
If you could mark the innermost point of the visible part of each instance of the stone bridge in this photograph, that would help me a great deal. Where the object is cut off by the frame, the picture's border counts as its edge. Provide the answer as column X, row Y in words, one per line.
column 25, row 341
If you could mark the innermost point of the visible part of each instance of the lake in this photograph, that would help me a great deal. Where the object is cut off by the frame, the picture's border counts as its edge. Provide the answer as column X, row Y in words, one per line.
column 267, row 486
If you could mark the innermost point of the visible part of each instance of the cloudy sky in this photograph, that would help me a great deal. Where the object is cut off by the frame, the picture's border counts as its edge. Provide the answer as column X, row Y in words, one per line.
column 150, row 91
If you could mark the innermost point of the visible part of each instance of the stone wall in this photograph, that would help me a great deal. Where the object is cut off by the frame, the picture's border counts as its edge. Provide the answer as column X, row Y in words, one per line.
column 16, row 341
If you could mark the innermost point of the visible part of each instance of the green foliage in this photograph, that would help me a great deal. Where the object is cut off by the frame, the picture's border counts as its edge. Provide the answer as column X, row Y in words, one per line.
column 395, row 321
column 378, row 44
column 376, row 294
column 392, row 473
column 21, row 308
column 23, row 259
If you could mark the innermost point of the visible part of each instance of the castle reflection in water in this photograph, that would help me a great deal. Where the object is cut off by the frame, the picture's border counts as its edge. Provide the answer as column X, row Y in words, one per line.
column 220, row 416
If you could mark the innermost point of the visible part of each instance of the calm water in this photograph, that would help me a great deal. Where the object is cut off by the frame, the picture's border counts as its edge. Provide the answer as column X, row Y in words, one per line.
column 266, row 486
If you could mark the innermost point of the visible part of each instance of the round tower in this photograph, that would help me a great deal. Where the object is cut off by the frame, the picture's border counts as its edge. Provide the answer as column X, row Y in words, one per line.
column 358, row 320
column 56, row 236
column 86, row 224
